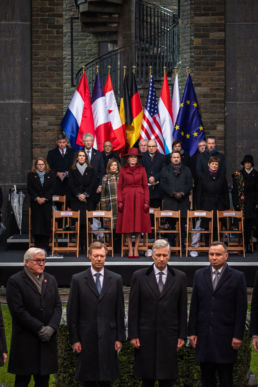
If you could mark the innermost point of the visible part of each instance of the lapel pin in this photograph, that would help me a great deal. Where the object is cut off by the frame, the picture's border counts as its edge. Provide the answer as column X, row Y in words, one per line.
column 45, row 280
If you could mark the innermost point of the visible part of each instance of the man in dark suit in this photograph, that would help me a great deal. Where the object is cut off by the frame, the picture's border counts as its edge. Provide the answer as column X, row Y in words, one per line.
column 254, row 314
column 36, row 310
column 153, row 162
column 96, row 160
column 109, row 154
column 60, row 160
column 157, row 318
column 217, row 317
column 95, row 317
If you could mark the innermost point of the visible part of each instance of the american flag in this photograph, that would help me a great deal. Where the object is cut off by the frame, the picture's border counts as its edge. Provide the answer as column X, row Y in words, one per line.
column 151, row 128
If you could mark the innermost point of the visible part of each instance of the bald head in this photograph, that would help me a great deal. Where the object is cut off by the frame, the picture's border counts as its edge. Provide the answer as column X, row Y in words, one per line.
column 152, row 147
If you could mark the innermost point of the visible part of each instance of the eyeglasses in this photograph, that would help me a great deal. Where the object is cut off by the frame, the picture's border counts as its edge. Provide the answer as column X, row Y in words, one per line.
column 39, row 261
column 152, row 146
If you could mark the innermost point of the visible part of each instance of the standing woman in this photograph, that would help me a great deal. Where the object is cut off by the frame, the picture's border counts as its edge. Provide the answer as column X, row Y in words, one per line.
column 245, row 195
column 82, row 180
column 40, row 185
column 133, row 202
column 108, row 200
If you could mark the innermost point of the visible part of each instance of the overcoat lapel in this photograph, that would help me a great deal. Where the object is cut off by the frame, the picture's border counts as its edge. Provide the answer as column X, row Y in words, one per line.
column 29, row 282
column 151, row 282
column 91, row 283
column 106, row 284
column 44, row 285
column 226, row 274
column 208, row 279
column 170, row 282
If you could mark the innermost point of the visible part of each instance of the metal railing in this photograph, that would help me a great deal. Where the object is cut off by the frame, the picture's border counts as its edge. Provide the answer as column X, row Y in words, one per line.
column 156, row 44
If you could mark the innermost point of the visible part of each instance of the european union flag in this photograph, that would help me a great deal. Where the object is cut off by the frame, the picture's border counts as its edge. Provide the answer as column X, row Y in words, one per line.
column 188, row 127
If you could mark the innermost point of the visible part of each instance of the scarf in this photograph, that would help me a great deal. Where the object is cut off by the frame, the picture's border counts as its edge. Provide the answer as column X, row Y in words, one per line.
column 248, row 172
column 41, row 176
column 81, row 167
column 213, row 174
column 37, row 281
column 177, row 169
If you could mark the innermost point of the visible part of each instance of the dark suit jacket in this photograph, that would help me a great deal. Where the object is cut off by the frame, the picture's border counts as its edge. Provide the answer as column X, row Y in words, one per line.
column 31, row 310
column 58, row 163
column 202, row 162
column 153, row 167
column 158, row 320
column 217, row 316
column 97, row 321
column 97, row 163
column 3, row 347
column 106, row 158
column 254, row 308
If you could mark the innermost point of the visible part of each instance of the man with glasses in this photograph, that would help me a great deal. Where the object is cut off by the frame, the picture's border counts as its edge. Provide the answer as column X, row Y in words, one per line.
column 36, row 310
column 153, row 162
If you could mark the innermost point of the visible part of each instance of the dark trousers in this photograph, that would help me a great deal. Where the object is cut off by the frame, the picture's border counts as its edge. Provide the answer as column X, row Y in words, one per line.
column 42, row 242
column 24, row 380
column 97, row 384
column 209, row 371
column 162, row 383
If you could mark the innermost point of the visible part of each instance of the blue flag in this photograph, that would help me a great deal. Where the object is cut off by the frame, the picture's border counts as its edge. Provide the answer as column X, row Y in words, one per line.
column 188, row 127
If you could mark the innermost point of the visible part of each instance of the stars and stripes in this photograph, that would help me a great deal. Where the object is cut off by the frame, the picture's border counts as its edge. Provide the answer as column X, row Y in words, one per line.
column 151, row 128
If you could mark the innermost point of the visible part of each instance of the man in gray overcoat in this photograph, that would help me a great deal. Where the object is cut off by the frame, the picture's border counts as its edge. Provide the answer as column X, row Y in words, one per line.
column 157, row 318
column 36, row 310
column 95, row 317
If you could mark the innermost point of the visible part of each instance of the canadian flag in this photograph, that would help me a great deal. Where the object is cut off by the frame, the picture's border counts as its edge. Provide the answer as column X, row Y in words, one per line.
column 117, row 135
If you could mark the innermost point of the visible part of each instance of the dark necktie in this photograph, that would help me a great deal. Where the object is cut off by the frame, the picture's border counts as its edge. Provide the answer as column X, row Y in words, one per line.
column 215, row 280
column 98, row 284
column 88, row 154
column 160, row 282
column 62, row 152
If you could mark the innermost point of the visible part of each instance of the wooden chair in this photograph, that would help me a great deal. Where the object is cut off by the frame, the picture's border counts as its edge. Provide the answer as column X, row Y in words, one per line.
column 66, row 239
column 61, row 200
column 161, row 231
column 151, row 212
column 206, row 236
column 230, row 225
column 106, row 219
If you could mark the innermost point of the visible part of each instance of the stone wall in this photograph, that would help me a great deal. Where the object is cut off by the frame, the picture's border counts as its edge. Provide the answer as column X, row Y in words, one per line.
column 47, row 73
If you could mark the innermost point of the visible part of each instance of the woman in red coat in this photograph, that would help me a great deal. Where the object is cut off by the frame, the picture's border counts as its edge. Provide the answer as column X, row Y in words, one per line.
column 133, row 202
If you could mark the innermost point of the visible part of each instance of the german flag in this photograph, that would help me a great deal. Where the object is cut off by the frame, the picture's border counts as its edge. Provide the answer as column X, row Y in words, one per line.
column 133, row 132
column 125, row 108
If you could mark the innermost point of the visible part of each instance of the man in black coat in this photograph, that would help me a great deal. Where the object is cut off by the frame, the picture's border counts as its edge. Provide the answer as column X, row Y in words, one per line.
column 109, row 154
column 60, row 160
column 3, row 347
column 217, row 317
column 36, row 310
column 95, row 318
column 157, row 318
column 203, row 158
column 96, row 160
column 254, row 314
column 153, row 162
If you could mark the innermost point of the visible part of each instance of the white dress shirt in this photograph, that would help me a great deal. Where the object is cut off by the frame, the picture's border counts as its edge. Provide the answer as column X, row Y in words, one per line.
column 101, row 272
column 164, row 276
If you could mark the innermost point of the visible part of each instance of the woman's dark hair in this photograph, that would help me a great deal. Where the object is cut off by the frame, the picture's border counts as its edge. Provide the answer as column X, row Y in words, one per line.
column 111, row 161
column 76, row 159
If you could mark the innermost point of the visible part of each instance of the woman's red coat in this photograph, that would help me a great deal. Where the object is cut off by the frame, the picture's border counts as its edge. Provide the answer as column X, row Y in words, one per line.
column 133, row 192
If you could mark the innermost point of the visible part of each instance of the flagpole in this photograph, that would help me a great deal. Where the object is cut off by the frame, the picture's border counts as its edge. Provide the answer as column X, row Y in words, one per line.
column 83, row 69
column 187, row 71
column 133, row 69
column 150, row 71
column 109, row 68
column 97, row 69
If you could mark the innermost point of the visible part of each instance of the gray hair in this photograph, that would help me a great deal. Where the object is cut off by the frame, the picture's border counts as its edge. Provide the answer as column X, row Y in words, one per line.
column 96, row 246
column 87, row 135
column 31, row 252
column 142, row 141
column 160, row 244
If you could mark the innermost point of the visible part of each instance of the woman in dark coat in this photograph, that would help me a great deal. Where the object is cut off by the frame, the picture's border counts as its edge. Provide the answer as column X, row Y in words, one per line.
column 212, row 188
column 245, row 195
column 133, row 202
column 212, row 191
column 40, row 185
column 82, row 182
column 3, row 347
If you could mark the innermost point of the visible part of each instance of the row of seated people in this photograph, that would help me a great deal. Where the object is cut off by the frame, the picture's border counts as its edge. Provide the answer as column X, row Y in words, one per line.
column 146, row 179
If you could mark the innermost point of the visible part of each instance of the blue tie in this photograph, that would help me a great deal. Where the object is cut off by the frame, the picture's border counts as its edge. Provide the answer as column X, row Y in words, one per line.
column 98, row 284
